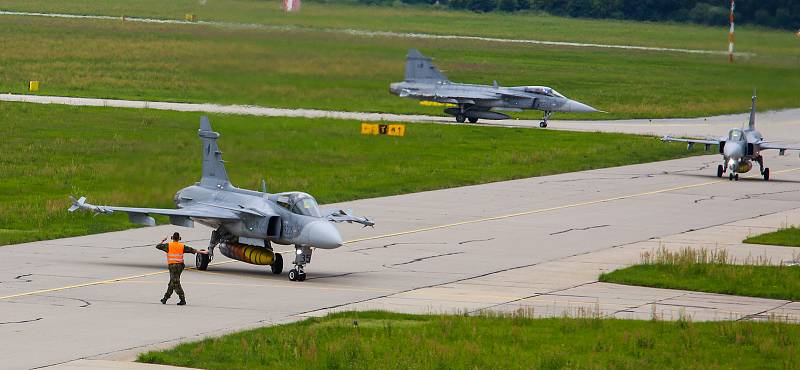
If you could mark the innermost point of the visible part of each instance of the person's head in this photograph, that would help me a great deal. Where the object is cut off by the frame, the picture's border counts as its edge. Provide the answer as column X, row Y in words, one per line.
column 176, row 236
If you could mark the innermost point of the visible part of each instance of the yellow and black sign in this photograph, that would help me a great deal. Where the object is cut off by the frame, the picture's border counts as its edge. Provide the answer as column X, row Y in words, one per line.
column 383, row 129
column 190, row 17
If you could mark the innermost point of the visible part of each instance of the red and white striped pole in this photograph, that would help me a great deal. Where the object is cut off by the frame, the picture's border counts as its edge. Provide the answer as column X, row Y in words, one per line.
column 730, row 35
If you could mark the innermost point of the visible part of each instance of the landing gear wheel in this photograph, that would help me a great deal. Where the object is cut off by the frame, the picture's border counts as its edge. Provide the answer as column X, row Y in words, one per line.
column 766, row 174
column 201, row 261
column 301, row 276
column 277, row 264
column 543, row 124
column 730, row 177
column 736, row 177
column 293, row 274
column 473, row 119
column 460, row 118
column 720, row 170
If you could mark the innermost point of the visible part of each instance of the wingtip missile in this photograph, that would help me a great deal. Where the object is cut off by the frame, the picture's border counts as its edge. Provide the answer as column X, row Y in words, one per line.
column 82, row 205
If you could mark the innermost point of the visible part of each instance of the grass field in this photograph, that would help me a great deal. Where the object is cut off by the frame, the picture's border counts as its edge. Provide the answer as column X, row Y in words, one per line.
column 379, row 340
column 425, row 19
column 317, row 69
column 142, row 157
column 789, row 237
column 712, row 272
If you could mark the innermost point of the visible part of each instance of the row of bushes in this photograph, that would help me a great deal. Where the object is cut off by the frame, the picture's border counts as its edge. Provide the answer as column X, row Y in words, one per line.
column 770, row 13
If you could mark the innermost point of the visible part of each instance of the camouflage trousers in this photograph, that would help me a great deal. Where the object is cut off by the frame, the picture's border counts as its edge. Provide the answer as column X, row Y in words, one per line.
column 175, row 270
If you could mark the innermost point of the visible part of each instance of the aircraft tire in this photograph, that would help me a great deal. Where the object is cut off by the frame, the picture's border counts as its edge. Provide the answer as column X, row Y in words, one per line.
column 543, row 124
column 277, row 264
column 460, row 118
column 473, row 119
column 720, row 170
column 301, row 276
column 201, row 261
column 766, row 174
column 730, row 177
column 293, row 275
column 736, row 177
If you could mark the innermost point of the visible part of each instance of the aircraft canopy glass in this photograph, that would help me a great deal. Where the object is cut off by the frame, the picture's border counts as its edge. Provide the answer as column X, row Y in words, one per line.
column 304, row 204
column 544, row 90
column 735, row 135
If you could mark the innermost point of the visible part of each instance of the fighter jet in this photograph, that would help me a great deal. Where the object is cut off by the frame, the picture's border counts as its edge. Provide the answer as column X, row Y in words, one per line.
column 739, row 148
column 245, row 222
column 423, row 81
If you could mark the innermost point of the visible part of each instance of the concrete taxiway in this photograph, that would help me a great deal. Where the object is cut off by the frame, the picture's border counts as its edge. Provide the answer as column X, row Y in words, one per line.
column 534, row 244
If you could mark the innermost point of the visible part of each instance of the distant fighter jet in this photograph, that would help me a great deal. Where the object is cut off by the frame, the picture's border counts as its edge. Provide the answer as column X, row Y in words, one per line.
column 246, row 222
column 739, row 148
column 423, row 81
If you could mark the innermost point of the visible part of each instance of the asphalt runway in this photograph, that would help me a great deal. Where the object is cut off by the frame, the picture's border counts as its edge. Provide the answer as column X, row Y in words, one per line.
column 462, row 249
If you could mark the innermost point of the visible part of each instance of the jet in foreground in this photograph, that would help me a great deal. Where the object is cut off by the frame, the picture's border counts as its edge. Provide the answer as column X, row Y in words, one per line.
column 740, row 148
column 246, row 222
column 423, row 81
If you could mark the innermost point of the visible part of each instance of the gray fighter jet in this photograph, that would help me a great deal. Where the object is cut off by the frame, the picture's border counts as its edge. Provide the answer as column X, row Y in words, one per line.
column 423, row 81
column 740, row 148
column 246, row 222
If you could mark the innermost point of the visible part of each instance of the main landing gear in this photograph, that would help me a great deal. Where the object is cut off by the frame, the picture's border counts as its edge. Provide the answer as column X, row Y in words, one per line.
column 764, row 171
column 302, row 257
column 543, row 124
column 720, row 170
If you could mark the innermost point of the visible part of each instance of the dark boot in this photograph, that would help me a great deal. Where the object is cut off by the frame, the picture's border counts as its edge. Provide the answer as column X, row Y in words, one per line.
column 182, row 302
column 164, row 300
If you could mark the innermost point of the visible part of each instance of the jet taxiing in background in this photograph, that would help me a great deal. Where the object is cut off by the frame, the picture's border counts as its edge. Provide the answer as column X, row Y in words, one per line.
column 740, row 148
column 423, row 81
column 245, row 222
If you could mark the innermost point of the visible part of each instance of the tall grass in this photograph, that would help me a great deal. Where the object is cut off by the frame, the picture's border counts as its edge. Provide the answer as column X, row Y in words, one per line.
column 380, row 340
column 713, row 271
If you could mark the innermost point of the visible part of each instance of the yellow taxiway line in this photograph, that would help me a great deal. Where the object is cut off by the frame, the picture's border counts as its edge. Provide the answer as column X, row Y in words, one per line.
column 493, row 218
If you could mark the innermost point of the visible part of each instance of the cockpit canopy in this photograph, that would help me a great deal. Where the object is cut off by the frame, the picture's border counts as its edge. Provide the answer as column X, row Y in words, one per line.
column 299, row 203
column 736, row 135
column 543, row 90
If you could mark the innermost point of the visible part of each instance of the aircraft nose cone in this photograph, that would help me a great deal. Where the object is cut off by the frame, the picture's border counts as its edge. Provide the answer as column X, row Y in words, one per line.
column 324, row 235
column 578, row 107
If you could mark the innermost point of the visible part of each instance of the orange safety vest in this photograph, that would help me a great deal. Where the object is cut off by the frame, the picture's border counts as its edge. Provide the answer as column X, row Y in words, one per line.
column 174, row 253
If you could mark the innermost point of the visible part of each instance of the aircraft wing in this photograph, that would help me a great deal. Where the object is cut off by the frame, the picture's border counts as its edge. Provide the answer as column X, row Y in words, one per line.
column 141, row 215
column 692, row 141
column 778, row 146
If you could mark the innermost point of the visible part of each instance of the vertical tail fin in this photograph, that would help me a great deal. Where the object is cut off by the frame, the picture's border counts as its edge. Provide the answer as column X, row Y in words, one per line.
column 419, row 68
column 214, row 174
column 752, row 124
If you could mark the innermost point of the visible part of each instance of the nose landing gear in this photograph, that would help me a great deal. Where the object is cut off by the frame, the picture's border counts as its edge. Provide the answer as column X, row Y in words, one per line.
column 765, row 173
column 720, row 170
column 734, row 177
column 543, row 124
column 302, row 257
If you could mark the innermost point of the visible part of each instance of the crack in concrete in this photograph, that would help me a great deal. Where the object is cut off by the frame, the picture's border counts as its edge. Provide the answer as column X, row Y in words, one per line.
column 762, row 313
column 422, row 259
column 579, row 229
column 475, row 240
column 392, row 245
column 21, row 322
column 85, row 302
column 704, row 199
column 657, row 301
column 340, row 275
column 752, row 196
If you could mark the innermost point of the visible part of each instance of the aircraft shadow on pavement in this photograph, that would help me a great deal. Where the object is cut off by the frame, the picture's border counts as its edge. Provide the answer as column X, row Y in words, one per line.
column 712, row 176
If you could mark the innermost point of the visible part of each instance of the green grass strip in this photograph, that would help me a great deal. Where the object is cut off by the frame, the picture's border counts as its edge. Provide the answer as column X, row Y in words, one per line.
column 778, row 282
column 789, row 237
column 142, row 157
column 379, row 340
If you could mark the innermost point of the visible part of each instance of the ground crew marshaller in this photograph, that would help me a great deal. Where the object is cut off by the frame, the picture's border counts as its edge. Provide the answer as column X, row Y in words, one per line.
column 175, row 250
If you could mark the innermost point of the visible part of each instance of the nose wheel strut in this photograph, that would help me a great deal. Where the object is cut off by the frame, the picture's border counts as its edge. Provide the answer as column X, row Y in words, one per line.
column 302, row 257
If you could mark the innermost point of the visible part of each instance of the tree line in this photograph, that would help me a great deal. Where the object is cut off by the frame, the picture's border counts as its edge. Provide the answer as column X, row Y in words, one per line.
column 770, row 13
